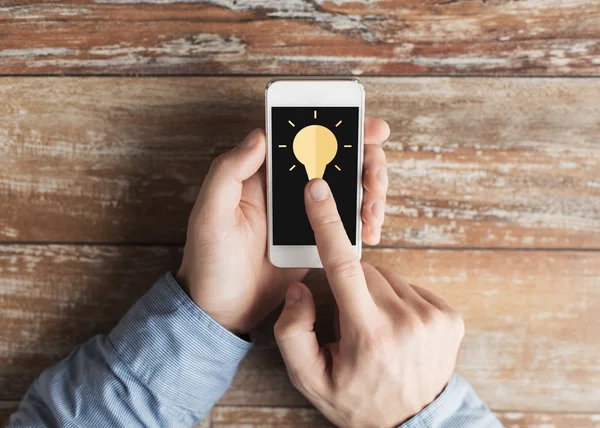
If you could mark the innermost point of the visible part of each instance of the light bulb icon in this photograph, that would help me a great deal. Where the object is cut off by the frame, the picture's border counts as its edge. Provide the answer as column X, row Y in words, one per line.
column 314, row 147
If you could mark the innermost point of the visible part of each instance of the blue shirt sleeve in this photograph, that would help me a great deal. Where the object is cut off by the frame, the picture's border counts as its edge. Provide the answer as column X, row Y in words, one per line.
column 165, row 364
column 458, row 406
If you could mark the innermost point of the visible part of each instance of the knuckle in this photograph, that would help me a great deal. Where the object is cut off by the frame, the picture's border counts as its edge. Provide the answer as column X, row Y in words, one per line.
column 375, row 152
column 220, row 163
column 432, row 315
column 346, row 268
column 374, row 341
column 447, row 319
column 296, row 379
column 283, row 330
column 415, row 326
column 301, row 381
column 458, row 323
column 328, row 218
column 366, row 266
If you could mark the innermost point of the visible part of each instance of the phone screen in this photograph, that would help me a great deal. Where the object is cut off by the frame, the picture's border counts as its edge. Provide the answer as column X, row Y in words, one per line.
column 310, row 142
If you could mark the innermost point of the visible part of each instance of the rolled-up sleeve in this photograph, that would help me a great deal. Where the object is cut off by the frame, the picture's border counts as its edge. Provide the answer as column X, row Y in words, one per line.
column 165, row 364
column 458, row 406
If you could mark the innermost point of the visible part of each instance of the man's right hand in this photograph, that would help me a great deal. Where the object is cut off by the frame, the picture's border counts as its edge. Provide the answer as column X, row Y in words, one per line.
column 397, row 343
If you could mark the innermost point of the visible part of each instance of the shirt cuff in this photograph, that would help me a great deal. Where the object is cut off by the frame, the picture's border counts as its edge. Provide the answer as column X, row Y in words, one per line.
column 175, row 348
column 443, row 407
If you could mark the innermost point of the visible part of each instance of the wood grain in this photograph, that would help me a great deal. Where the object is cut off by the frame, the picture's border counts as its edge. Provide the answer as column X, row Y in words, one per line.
column 531, row 37
column 231, row 417
column 549, row 420
column 532, row 325
column 53, row 298
column 227, row 416
column 242, row 417
column 473, row 162
column 532, row 317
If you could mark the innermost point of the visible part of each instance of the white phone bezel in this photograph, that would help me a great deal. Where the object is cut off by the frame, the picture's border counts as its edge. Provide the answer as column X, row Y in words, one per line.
column 310, row 92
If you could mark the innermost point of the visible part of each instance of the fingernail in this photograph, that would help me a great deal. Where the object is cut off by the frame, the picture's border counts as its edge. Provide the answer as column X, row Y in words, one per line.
column 382, row 176
column 377, row 210
column 318, row 190
column 250, row 140
column 293, row 295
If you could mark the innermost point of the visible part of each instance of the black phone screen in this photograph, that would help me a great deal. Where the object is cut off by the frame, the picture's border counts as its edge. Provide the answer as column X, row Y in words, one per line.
column 312, row 142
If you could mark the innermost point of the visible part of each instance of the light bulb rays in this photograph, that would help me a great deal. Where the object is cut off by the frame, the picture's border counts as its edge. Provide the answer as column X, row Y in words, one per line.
column 315, row 147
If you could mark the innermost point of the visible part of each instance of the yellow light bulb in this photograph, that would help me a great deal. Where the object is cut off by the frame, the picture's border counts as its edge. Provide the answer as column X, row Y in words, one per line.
column 315, row 146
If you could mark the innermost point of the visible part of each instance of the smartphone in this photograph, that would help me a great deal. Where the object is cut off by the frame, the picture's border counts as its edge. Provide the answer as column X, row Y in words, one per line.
column 314, row 129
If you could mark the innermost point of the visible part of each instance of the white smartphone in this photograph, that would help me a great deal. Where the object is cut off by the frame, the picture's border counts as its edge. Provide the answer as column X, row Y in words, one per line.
column 314, row 129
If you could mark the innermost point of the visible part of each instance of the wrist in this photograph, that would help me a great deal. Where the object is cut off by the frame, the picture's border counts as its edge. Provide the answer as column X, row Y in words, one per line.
column 445, row 402
column 227, row 319
column 166, row 325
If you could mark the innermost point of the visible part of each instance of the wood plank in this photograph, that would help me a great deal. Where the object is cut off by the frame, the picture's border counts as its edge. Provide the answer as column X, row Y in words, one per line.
column 473, row 162
column 231, row 417
column 532, row 37
column 55, row 297
column 532, row 328
column 533, row 318
column 239, row 416
column 549, row 420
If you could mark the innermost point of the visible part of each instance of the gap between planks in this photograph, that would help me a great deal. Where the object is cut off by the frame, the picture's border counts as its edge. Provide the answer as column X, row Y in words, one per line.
column 378, row 247
column 325, row 76
column 449, row 171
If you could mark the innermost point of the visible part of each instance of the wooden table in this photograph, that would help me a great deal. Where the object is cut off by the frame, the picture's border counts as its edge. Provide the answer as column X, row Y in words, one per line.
column 494, row 163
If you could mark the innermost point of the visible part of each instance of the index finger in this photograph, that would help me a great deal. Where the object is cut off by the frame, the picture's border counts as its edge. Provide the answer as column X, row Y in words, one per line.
column 340, row 261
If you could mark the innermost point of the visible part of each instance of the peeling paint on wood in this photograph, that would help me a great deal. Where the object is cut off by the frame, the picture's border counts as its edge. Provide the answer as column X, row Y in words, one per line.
column 473, row 162
column 549, row 420
column 532, row 317
column 531, row 37
column 78, row 292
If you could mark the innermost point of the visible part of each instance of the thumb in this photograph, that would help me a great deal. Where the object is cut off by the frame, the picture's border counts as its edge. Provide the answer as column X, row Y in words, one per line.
column 306, row 362
column 222, row 188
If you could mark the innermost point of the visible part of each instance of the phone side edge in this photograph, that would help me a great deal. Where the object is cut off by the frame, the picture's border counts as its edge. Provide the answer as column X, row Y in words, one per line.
column 361, row 152
column 269, row 174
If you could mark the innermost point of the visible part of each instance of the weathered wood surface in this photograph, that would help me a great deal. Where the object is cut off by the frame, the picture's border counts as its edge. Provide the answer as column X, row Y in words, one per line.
column 224, row 416
column 531, row 37
column 227, row 416
column 473, row 162
column 53, row 298
column 532, row 325
column 532, row 318
column 549, row 420
column 242, row 417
